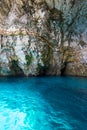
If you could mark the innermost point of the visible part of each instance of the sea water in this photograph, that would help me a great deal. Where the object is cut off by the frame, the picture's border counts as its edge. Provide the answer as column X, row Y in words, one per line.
column 43, row 103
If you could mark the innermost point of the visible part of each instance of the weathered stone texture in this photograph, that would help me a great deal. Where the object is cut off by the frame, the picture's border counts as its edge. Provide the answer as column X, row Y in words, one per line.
column 43, row 37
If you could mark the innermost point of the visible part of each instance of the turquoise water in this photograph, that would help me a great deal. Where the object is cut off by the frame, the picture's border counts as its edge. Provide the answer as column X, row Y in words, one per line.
column 43, row 103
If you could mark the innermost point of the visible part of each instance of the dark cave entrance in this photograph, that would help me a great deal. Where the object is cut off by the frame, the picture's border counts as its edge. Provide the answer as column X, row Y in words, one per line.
column 63, row 69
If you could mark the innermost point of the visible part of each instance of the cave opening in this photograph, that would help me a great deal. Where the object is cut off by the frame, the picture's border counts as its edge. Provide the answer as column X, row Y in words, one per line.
column 63, row 69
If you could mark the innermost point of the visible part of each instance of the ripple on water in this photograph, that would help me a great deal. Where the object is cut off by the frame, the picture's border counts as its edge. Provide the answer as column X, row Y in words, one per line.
column 28, row 106
column 28, row 112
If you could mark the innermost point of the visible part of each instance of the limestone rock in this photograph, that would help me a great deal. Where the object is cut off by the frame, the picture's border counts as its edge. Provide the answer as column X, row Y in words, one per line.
column 43, row 37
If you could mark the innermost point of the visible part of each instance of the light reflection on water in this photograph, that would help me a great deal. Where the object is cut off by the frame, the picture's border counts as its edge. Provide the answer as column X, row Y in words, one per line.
column 43, row 103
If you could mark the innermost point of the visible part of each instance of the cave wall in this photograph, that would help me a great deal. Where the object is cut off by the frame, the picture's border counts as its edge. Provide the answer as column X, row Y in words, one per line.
column 43, row 37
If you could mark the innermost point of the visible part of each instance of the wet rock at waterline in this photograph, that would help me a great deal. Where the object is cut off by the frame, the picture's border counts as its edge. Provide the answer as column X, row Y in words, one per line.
column 43, row 37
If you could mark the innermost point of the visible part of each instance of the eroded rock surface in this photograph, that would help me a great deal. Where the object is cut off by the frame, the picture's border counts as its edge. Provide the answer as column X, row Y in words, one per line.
column 43, row 37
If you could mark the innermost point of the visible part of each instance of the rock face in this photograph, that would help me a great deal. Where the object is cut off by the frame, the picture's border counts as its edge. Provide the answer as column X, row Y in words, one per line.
column 43, row 37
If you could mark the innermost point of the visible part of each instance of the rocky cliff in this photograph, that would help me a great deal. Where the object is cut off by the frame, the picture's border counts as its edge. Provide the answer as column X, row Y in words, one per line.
column 43, row 37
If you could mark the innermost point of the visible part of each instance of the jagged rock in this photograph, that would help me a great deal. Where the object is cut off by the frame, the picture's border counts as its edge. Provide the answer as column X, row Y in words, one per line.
column 43, row 37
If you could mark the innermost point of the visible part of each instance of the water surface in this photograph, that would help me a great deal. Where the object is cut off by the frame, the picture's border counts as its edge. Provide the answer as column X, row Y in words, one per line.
column 43, row 103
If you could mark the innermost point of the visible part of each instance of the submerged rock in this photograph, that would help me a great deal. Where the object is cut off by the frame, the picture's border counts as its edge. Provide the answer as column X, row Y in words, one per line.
column 46, row 37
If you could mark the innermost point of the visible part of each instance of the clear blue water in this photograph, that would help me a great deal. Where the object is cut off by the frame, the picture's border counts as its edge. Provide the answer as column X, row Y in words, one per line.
column 43, row 103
